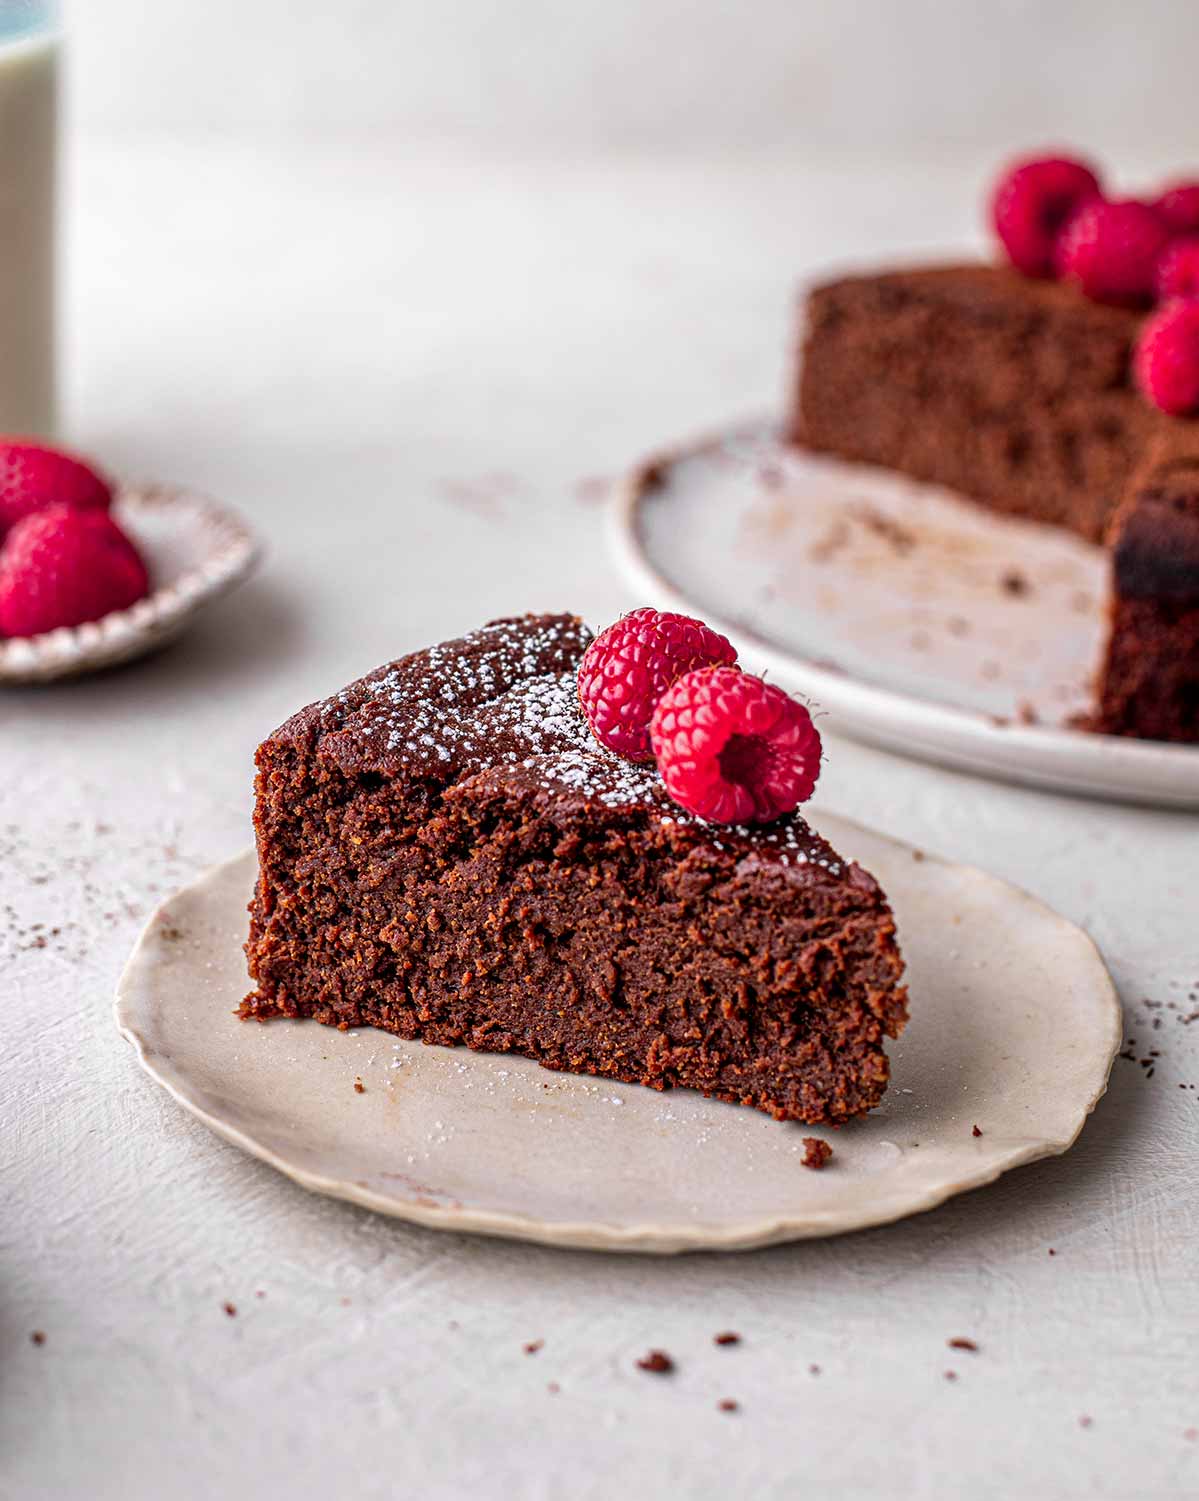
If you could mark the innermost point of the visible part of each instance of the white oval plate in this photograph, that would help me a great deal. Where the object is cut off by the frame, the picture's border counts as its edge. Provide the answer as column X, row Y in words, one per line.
column 922, row 623
column 194, row 549
column 1014, row 1027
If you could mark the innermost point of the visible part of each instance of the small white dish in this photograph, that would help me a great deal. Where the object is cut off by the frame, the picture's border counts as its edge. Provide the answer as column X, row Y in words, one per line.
column 917, row 621
column 194, row 549
column 1014, row 1026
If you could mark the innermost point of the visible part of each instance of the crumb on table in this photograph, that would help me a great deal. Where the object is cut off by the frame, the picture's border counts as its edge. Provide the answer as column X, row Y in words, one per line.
column 815, row 1152
column 656, row 1361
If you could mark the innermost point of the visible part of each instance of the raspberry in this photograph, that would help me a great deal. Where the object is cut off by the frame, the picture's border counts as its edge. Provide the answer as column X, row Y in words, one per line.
column 1177, row 272
column 32, row 476
column 1032, row 203
column 734, row 749
column 628, row 667
column 1111, row 250
column 62, row 566
column 1166, row 360
column 1179, row 207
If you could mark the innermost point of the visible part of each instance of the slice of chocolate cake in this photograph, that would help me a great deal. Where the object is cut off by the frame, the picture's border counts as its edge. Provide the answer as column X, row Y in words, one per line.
column 1017, row 393
column 446, row 853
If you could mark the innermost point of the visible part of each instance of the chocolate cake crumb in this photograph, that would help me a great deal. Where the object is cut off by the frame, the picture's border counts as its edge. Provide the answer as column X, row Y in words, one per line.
column 813, row 1370
column 359, row 1087
column 656, row 1361
column 1052, row 1252
column 1013, row 582
column 38, row 1337
column 729, row 1337
column 532, row 1347
column 951, row 1375
column 726, row 1404
column 816, row 1153
column 974, row 1131
column 961, row 1343
column 894, row 533
column 827, row 546
column 230, row 1309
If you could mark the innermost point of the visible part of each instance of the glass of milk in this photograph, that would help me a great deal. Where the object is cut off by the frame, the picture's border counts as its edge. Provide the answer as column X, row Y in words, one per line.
column 28, row 148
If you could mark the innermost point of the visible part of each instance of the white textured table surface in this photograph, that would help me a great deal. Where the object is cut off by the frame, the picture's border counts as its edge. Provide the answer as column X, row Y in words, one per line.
column 413, row 374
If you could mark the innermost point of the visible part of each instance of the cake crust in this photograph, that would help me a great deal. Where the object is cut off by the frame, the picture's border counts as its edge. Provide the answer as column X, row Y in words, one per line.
column 445, row 853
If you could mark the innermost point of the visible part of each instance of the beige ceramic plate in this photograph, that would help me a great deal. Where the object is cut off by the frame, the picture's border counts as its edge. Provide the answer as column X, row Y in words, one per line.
column 1014, row 1026
column 194, row 549
column 921, row 623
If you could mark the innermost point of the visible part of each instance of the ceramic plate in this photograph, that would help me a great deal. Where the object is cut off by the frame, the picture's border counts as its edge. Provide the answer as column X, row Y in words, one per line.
column 930, row 626
column 194, row 549
column 1014, row 1027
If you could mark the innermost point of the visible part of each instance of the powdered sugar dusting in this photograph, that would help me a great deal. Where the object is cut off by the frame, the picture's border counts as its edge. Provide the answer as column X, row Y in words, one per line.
column 507, row 696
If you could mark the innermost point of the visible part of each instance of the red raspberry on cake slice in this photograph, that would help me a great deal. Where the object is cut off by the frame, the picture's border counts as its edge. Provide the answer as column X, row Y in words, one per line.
column 629, row 666
column 735, row 749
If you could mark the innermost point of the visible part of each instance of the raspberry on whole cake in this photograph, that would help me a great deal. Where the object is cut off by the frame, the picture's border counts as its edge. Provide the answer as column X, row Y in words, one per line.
column 447, row 852
column 1060, row 400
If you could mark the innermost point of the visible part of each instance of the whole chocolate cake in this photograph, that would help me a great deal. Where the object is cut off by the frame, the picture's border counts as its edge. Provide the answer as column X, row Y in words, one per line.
column 1018, row 393
column 446, row 853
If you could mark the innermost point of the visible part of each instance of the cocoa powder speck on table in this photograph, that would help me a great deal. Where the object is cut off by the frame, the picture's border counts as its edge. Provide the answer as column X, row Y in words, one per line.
column 656, row 1361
